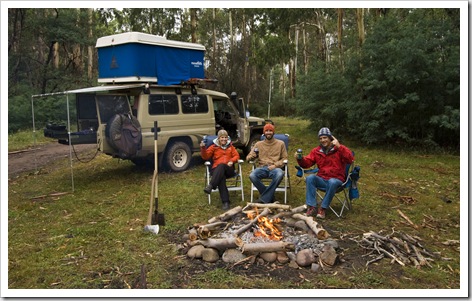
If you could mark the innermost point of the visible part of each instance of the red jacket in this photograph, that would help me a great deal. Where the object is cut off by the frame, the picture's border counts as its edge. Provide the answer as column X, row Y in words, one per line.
column 219, row 155
column 331, row 165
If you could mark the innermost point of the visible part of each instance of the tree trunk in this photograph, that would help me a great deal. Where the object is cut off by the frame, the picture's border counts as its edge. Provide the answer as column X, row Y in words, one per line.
column 90, row 48
column 213, row 57
column 193, row 24
column 340, row 36
column 360, row 26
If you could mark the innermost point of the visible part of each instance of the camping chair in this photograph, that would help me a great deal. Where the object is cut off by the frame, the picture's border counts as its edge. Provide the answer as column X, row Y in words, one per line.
column 284, row 186
column 234, row 183
column 348, row 189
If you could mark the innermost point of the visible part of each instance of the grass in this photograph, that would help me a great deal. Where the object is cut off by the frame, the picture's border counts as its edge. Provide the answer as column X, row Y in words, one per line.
column 93, row 238
column 25, row 139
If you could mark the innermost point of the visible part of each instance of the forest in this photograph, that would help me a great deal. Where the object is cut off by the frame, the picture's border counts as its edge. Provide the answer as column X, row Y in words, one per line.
column 385, row 76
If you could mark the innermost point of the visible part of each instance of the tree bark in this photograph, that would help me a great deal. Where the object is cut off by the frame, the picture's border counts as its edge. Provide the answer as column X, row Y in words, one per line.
column 360, row 26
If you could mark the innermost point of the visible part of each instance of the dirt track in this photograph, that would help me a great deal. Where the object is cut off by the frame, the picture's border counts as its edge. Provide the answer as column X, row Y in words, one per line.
column 30, row 159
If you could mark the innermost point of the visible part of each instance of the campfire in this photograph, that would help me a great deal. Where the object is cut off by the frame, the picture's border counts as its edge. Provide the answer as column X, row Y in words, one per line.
column 269, row 232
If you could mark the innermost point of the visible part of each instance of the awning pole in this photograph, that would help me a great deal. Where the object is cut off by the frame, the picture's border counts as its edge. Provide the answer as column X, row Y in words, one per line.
column 70, row 143
column 34, row 135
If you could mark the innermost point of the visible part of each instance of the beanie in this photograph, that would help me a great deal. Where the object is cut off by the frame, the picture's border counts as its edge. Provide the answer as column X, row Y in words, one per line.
column 222, row 133
column 269, row 127
column 324, row 132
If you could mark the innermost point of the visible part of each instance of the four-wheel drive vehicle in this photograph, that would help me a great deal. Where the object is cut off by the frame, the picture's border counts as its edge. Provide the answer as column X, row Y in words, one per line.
column 184, row 116
column 146, row 79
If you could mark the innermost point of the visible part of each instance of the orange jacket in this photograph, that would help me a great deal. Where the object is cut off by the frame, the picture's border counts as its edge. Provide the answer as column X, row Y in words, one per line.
column 219, row 155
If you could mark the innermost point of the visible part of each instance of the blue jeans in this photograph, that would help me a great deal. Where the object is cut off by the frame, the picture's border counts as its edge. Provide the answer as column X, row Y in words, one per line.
column 266, row 193
column 330, row 186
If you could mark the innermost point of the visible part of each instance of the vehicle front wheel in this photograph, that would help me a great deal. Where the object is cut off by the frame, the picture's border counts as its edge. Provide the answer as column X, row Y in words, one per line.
column 178, row 156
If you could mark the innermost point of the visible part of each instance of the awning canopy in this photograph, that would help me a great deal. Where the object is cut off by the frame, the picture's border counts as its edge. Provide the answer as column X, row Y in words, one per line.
column 92, row 90
column 77, row 91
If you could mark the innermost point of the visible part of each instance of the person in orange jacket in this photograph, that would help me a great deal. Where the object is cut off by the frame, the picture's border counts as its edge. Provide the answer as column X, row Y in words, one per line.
column 224, row 155
column 331, row 158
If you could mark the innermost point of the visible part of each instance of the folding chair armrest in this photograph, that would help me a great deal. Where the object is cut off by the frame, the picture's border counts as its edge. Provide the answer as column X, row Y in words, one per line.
column 301, row 172
column 285, row 162
column 240, row 161
column 207, row 163
column 314, row 170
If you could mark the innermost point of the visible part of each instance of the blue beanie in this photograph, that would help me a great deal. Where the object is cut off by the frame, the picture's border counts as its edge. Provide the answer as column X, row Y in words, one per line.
column 325, row 132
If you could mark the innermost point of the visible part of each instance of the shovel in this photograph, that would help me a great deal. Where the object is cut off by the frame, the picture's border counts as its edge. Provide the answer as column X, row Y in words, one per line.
column 155, row 219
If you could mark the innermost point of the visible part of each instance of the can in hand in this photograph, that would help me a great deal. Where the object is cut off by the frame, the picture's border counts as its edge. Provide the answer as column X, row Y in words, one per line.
column 256, row 150
column 299, row 154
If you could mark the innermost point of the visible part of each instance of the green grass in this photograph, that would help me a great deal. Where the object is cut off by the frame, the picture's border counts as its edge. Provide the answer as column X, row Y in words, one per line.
column 93, row 238
column 26, row 139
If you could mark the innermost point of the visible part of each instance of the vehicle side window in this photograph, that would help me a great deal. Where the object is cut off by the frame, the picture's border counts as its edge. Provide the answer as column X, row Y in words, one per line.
column 194, row 104
column 164, row 104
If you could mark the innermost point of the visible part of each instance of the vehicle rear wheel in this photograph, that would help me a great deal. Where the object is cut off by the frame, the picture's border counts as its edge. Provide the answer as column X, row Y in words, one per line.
column 178, row 156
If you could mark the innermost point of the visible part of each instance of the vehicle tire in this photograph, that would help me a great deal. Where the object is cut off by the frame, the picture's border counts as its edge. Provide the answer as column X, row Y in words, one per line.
column 254, row 138
column 178, row 156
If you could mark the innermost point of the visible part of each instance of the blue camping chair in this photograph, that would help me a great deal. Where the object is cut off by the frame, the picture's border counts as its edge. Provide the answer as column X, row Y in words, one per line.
column 284, row 186
column 234, row 183
column 348, row 189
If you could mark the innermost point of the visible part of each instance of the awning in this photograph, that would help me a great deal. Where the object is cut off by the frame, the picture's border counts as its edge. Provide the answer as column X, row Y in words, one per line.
column 93, row 90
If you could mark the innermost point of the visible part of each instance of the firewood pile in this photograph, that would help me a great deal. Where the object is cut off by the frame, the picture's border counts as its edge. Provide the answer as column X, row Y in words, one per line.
column 266, row 233
column 401, row 248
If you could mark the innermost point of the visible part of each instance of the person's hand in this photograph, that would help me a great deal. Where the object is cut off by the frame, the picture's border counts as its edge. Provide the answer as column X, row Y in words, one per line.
column 202, row 144
column 271, row 167
column 230, row 163
column 335, row 142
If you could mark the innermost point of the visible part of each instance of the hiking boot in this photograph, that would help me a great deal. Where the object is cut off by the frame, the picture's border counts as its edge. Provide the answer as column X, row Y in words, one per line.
column 321, row 213
column 310, row 210
column 208, row 189
column 225, row 206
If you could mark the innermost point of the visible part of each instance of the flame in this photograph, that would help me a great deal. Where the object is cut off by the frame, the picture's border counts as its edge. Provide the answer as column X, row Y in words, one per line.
column 267, row 228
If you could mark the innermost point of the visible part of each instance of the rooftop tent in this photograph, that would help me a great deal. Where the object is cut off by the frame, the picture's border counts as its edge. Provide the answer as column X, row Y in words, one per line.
column 140, row 57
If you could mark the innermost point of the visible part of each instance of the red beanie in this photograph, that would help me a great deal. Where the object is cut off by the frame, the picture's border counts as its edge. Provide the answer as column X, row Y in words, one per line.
column 269, row 127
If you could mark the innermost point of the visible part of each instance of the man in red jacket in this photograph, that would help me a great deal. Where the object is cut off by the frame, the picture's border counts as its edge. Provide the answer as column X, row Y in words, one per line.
column 331, row 158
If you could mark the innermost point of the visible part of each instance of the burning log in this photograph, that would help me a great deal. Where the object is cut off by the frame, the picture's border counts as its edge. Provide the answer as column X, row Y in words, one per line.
column 265, row 247
column 244, row 228
column 226, row 215
column 313, row 225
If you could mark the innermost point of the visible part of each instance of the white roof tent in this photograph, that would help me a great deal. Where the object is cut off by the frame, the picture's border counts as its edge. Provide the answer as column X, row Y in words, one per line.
column 66, row 93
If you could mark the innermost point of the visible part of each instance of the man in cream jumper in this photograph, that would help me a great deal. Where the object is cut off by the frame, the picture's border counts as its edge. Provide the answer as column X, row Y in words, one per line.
column 271, row 153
